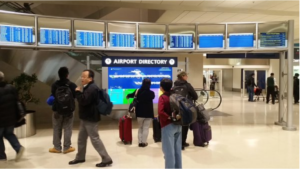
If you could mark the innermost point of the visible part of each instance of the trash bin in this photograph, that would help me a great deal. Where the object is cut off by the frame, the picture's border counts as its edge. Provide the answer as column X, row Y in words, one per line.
column 28, row 129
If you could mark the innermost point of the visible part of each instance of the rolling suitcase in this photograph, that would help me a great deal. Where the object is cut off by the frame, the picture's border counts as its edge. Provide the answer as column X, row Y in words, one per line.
column 125, row 129
column 156, row 130
column 202, row 133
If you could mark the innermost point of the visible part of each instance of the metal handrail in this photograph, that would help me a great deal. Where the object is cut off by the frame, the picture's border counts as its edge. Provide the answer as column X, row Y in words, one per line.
column 206, row 91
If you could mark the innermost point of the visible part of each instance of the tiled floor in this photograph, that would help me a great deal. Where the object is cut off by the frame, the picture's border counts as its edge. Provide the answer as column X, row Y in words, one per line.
column 247, row 139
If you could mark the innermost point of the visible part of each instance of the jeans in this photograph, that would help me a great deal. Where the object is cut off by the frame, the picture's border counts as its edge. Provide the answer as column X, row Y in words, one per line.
column 144, row 125
column 8, row 133
column 250, row 92
column 61, row 123
column 171, row 146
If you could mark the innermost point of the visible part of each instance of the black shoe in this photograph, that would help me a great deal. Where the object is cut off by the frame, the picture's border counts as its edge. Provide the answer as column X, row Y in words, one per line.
column 140, row 144
column 185, row 145
column 104, row 164
column 76, row 162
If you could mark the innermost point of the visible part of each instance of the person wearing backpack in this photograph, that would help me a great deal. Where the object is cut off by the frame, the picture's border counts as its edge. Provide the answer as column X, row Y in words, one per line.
column 63, row 108
column 191, row 94
column 144, row 110
column 88, row 99
column 170, row 133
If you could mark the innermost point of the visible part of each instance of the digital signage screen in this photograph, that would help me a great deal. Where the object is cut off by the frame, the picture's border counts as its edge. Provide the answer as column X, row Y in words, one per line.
column 211, row 41
column 121, row 40
column 181, row 41
column 53, row 36
column 16, row 34
column 86, row 38
column 273, row 39
column 125, row 80
column 152, row 41
column 241, row 40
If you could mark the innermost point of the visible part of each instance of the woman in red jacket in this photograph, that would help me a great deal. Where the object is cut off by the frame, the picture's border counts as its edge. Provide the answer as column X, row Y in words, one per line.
column 171, row 133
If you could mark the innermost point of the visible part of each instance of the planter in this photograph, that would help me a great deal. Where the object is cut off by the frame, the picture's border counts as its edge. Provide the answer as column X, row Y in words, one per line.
column 28, row 129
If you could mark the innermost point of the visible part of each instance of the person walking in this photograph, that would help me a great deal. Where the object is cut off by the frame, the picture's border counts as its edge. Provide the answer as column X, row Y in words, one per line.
column 171, row 133
column 144, row 110
column 89, row 118
column 250, row 87
column 271, row 88
column 296, row 88
column 8, row 119
column 192, row 95
column 63, row 91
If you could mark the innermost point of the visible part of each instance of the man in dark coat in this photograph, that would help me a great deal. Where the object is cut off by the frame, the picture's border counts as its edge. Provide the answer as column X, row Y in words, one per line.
column 8, row 118
column 296, row 88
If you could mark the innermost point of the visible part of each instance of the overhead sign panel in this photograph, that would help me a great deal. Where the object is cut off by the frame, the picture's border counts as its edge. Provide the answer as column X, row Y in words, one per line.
column 51, row 36
column 89, row 38
column 152, row 41
column 181, row 41
column 122, row 40
column 139, row 61
column 211, row 41
column 16, row 34
column 273, row 39
column 241, row 40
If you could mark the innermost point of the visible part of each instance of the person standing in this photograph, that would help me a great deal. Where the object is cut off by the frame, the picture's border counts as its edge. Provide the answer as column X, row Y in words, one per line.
column 62, row 119
column 250, row 87
column 192, row 95
column 8, row 118
column 89, row 118
column 144, row 110
column 296, row 88
column 271, row 88
column 171, row 133
column 204, row 82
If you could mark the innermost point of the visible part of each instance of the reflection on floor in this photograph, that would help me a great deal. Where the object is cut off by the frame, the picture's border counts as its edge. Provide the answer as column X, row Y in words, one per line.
column 247, row 139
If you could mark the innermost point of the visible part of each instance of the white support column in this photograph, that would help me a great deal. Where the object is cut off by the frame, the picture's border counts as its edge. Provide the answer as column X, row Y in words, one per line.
column 289, row 126
column 88, row 62
column 281, row 109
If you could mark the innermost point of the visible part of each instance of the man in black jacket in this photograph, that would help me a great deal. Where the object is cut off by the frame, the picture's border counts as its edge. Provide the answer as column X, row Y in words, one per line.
column 88, row 100
column 296, row 88
column 250, row 86
column 8, row 118
column 192, row 95
column 62, row 121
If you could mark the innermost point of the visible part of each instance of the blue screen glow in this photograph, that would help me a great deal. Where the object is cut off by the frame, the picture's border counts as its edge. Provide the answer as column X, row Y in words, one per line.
column 152, row 41
column 18, row 34
column 211, row 40
column 183, row 41
column 121, row 40
column 241, row 40
column 89, row 38
column 50, row 36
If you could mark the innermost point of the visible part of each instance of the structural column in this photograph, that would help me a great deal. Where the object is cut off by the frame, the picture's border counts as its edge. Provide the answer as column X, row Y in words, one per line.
column 280, row 121
column 88, row 62
column 289, row 126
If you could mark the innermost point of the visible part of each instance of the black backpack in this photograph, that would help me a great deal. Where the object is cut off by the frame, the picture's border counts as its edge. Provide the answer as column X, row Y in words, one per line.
column 64, row 100
column 104, row 106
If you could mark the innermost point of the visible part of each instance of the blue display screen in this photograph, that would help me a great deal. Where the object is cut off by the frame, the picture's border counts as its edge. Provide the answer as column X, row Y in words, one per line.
column 277, row 39
column 50, row 36
column 241, row 40
column 184, row 41
column 18, row 34
column 121, row 40
column 89, row 38
column 211, row 40
column 152, row 41
column 125, row 80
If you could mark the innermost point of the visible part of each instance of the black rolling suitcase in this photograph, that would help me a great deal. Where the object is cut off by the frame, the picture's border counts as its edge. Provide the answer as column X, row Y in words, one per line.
column 156, row 130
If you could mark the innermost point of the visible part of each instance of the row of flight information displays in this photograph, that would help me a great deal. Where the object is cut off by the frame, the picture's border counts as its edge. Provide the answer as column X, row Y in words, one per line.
column 85, row 38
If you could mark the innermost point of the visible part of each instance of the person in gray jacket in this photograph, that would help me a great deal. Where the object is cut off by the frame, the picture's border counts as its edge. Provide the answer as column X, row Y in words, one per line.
column 89, row 116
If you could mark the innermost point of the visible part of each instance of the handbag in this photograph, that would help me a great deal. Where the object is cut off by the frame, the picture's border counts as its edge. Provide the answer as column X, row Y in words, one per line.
column 134, row 103
column 21, row 113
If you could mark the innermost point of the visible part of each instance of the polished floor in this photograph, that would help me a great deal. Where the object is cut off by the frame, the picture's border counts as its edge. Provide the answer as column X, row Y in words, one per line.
column 245, row 137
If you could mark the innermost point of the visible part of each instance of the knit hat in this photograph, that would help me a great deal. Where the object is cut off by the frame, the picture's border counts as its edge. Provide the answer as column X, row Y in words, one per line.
column 181, row 74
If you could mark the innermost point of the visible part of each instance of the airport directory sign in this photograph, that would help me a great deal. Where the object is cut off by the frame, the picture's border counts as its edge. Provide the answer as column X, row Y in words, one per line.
column 85, row 38
column 241, row 40
column 181, row 41
column 151, row 41
column 211, row 41
column 16, row 34
column 121, row 40
column 53, row 36
column 273, row 39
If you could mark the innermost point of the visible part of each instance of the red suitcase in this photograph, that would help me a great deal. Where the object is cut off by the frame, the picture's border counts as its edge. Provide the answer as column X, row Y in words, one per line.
column 125, row 129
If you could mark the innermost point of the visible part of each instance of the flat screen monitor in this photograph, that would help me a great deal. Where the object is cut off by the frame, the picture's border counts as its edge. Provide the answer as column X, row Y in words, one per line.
column 181, row 41
column 85, row 38
column 241, row 40
column 272, row 39
column 211, row 41
column 125, row 80
column 16, row 34
column 152, row 41
column 121, row 40
column 56, row 37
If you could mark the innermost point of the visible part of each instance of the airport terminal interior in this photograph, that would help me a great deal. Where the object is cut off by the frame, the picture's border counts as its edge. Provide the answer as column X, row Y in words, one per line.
column 218, row 43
